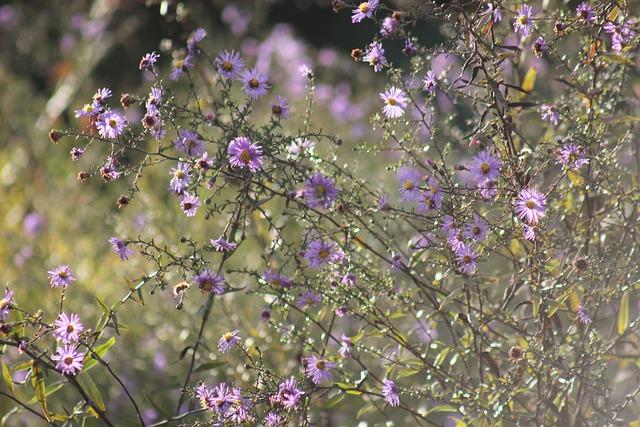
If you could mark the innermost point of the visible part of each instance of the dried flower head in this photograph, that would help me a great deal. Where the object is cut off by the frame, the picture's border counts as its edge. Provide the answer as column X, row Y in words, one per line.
column 516, row 354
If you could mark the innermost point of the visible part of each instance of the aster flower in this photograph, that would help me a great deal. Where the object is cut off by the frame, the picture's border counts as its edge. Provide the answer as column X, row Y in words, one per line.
column 221, row 399
column 300, row 147
column 61, row 276
column 317, row 368
column 530, row 205
column 572, row 156
column 189, row 204
column 430, row 199
column 305, row 71
column 345, row 346
column 229, row 64
column 210, row 283
column 69, row 360
column 495, row 12
column 488, row 189
column 155, row 96
column 68, row 329
column 273, row 419
column 585, row 12
column 276, row 279
column 101, row 95
column 523, row 23
column 395, row 103
column 120, row 248
column 530, row 232
column 583, row 315
column 204, row 395
column 89, row 110
column 198, row 35
column 189, row 142
column 280, row 108
column 180, row 65
column 108, row 171
column 342, row 311
column 228, row 340
column 388, row 26
column 477, row 230
column 382, row 202
column 204, row 163
column 5, row 303
column 289, row 394
column 147, row 61
column 320, row 191
column 449, row 227
column 244, row 154
column 456, row 241
column 430, row 81
column 551, row 113
column 409, row 49
column 375, row 57
column 485, row 166
column 255, row 83
column 396, row 261
column 221, row 245
column 539, row 46
column 319, row 253
column 365, row 10
column 76, row 153
column 409, row 189
column 110, row 124
column 390, row 392
column 308, row 299
column 180, row 178
column 466, row 257
column 349, row 279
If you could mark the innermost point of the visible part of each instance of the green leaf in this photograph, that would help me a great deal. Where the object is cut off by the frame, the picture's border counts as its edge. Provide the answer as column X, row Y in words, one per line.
column 7, row 377
column 355, row 392
column 104, row 308
column 37, row 381
column 209, row 365
column 441, row 408
column 101, row 350
column 366, row 408
column 454, row 294
column 335, row 399
column 164, row 412
column 90, row 388
column 623, row 315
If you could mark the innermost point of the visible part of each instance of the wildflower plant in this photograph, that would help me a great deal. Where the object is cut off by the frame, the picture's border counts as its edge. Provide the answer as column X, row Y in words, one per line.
column 319, row 260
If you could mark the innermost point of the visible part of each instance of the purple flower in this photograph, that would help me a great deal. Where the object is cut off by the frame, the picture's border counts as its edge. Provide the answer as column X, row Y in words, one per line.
column 300, row 147
column 320, row 191
column 388, row 26
column 108, row 171
column 205, row 396
column 280, row 109
column 222, row 245
column 204, row 163
column 179, row 67
column 148, row 60
column 409, row 190
column 431, row 198
column 495, row 12
column 395, row 102
column 466, row 257
column 220, row 399
column 449, row 227
column 229, row 64
column 477, row 230
column 101, row 95
column 551, row 113
column 345, row 346
column 485, row 167
column 61, row 276
column 110, row 124
column 318, row 369
column 375, row 57
column 390, row 392
column 456, row 241
column 276, row 280
column 155, row 96
column 530, row 205
column 583, row 315
column 189, row 204
column 396, row 261
column 197, row 36
column 308, row 299
column 210, row 283
column 76, row 153
column 181, row 177
column 120, row 248
column 530, row 232
column 539, row 46
column 89, row 110
column 68, row 329
column 382, row 202
column 272, row 419
column 244, row 154
column 523, row 23
column 189, row 142
column 228, row 340
column 409, row 49
column 572, row 156
column 365, row 10
column 430, row 81
column 69, row 360
column 585, row 12
column 342, row 311
column 289, row 394
column 5, row 303
column 255, row 84
column 319, row 253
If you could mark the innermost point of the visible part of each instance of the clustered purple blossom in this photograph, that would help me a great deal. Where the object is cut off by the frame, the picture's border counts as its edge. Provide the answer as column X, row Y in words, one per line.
column 320, row 253
column 68, row 329
column 572, row 156
column 228, row 404
column 317, row 368
column 245, row 154
column 375, row 56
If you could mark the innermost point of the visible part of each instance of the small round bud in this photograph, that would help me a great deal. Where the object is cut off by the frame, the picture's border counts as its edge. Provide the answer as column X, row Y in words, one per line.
column 83, row 176
column 126, row 100
column 55, row 135
column 123, row 201
column 357, row 55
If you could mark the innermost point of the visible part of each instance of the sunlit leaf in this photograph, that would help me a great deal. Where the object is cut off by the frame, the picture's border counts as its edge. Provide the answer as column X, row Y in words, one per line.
column 37, row 381
column 623, row 315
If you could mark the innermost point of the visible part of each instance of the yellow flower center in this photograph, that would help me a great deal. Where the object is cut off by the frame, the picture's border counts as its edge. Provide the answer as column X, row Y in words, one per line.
column 364, row 7
column 245, row 156
column 254, row 83
column 391, row 101
column 228, row 336
column 113, row 123
column 485, row 168
column 70, row 329
column 320, row 190
column 522, row 20
column 3, row 304
column 62, row 274
column 476, row 230
column 321, row 365
column 530, row 204
column 408, row 185
column 466, row 259
column 178, row 174
column 323, row 253
column 68, row 360
column 227, row 66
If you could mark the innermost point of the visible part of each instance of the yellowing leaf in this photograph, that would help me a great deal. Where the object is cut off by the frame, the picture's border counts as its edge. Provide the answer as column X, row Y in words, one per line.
column 623, row 315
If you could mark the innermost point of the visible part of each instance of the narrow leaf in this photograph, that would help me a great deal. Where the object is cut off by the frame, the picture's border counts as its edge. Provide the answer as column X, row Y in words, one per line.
column 37, row 381
column 333, row 401
column 208, row 366
column 89, row 386
column 101, row 350
column 7, row 377
column 623, row 315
